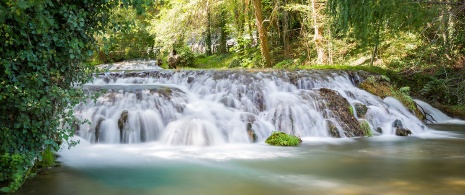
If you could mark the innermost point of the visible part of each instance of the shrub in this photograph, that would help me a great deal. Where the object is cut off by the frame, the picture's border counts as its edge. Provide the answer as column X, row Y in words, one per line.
column 278, row 138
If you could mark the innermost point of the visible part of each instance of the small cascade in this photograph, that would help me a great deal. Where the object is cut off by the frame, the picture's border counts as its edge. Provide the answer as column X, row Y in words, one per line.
column 208, row 107
column 435, row 116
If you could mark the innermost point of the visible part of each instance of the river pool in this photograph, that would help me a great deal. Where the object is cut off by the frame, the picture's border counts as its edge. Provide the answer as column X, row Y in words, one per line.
column 430, row 163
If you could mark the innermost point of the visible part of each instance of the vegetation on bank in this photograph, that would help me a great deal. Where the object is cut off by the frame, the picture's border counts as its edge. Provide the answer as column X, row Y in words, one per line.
column 279, row 138
column 43, row 47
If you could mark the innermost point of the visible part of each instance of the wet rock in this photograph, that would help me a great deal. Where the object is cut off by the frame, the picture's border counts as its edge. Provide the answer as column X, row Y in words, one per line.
column 360, row 109
column 165, row 92
column 138, row 95
column 397, row 123
column 251, row 133
column 190, row 79
column 403, row 132
column 97, row 129
column 122, row 123
column 379, row 130
column 332, row 129
column 340, row 111
column 365, row 128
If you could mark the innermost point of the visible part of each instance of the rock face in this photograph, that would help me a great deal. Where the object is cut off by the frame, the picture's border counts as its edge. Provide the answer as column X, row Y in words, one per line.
column 339, row 110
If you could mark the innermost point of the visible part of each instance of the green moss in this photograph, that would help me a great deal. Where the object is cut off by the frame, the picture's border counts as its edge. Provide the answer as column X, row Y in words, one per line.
column 366, row 128
column 351, row 110
column 278, row 138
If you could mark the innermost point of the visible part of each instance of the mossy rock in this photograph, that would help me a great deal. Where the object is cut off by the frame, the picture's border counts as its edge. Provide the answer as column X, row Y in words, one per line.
column 332, row 129
column 278, row 138
column 380, row 86
column 377, row 85
column 340, row 109
column 366, row 128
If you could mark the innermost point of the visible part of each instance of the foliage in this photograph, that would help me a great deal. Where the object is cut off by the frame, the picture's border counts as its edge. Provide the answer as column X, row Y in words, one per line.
column 15, row 168
column 131, row 41
column 278, row 138
column 43, row 45
column 186, row 57
column 48, row 158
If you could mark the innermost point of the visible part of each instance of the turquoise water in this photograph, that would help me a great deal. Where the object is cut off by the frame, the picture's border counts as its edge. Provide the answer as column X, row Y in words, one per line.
column 430, row 163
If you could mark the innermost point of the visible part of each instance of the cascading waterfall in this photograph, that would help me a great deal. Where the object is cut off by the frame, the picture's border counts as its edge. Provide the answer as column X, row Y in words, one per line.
column 213, row 107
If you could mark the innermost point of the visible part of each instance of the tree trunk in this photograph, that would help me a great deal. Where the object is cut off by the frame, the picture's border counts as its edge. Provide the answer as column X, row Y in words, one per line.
column 262, row 34
column 318, row 37
column 285, row 30
column 208, row 40
column 223, row 34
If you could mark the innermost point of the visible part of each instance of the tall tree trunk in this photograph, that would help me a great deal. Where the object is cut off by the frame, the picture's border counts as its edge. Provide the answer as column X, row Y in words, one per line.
column 318, row 37
column 223, row 34
column 285, row 34
column 208, row 40
column 262, row 33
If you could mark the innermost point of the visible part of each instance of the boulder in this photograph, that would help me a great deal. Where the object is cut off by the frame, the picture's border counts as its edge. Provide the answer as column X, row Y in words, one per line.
column 340, row 111
column 403, row 132
column 360, row 109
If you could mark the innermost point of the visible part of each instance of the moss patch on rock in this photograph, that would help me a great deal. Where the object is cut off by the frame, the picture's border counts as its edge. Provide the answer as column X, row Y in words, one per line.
column 278, row 138
column 381, row 86
column 366, row 128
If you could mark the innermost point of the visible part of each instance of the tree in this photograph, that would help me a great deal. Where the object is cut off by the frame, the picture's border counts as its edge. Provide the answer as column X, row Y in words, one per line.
column 43, row 45
column 264, row 48
column 368, row 20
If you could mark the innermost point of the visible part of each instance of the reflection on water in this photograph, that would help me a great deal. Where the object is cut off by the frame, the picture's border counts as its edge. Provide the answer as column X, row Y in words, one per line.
column 430, row 164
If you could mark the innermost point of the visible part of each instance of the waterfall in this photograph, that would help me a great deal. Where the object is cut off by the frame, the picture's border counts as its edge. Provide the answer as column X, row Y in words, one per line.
column 214, row 107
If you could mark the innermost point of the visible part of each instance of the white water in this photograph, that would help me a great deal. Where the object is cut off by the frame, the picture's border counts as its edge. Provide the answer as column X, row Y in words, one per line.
column 131, row 65
column 214, row 107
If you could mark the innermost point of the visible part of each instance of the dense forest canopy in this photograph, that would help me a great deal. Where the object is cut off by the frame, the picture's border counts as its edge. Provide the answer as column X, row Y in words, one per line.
column 308, row 32
column 48, row 47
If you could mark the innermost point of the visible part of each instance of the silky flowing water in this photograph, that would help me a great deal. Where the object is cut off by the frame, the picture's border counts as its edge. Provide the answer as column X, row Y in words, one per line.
column 189, row 132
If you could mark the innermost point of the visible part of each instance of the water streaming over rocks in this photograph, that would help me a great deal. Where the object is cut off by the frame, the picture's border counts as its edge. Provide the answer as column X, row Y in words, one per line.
column 214, row 107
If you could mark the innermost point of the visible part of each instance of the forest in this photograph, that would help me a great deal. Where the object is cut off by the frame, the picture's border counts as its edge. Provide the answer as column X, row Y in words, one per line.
column 49, row 46
column 423, row 39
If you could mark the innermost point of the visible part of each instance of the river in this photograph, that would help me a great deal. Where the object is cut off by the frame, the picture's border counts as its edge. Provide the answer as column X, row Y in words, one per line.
column 190, row 132
column 429, row 164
